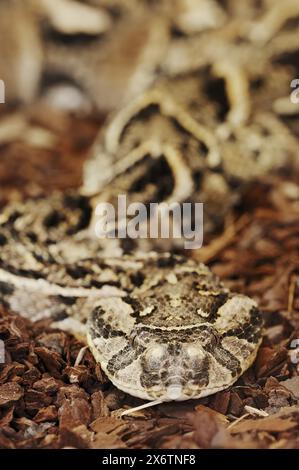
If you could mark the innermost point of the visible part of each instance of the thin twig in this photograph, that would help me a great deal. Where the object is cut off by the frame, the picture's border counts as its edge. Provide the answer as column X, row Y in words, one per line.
column 80, row 356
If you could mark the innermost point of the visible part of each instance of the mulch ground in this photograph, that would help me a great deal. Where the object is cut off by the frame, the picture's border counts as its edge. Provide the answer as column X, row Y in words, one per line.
column 48, row 401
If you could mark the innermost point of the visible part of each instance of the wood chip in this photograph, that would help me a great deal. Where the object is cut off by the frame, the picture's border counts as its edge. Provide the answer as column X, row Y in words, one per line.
column 9, row 393
column 272, row 425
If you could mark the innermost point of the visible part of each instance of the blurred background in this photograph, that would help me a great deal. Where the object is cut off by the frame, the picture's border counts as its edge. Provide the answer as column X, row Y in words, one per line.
column 65, row 64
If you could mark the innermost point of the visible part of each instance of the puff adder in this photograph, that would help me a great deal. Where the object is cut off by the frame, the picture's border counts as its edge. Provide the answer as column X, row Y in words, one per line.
column 161, row 326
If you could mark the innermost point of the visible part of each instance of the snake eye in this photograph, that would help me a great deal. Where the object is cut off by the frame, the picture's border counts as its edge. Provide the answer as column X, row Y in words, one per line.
column 139, row 338
column 133, row 338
